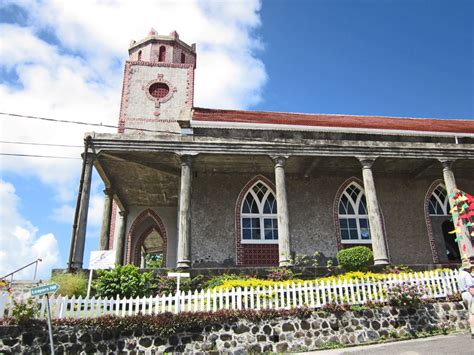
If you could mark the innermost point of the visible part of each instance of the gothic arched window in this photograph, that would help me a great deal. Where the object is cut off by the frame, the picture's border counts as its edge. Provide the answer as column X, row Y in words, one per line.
column 439, row 204
column 162, row 55
column 353, row 217
column 139, row 55
column 259, row 215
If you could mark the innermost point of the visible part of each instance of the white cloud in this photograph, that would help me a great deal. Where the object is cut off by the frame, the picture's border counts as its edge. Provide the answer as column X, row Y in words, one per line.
column 19, row 242
column 65, row 213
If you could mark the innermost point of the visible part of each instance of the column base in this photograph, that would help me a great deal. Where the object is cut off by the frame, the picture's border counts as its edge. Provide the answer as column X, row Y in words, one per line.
column 284, row 263
column 75, row 265
column 183, row 264
column 381, row 262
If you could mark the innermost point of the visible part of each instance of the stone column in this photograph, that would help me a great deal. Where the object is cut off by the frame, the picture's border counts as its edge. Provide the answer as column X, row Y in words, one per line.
column 464, row 239
column 284, row 250
column 106, row 217
column 379, row 247
column 120, row 243
column 78, row 253
column 184, row 214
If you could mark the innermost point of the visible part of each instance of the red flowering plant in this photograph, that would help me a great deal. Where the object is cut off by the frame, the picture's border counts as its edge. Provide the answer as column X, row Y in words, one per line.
column 405, row 295
column 463, row 216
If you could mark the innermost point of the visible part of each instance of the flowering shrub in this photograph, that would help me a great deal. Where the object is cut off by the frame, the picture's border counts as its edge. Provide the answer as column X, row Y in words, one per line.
column 396, row 269
column 348, row 276
column 24, row 311
column 166, row 324
column 335, row 308
column 405, row 295
column 280, row 274
column 221, row 279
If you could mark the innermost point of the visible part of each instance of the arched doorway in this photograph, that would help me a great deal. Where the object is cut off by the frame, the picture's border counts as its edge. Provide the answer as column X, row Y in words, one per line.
column 439, row 224
column 147, row 241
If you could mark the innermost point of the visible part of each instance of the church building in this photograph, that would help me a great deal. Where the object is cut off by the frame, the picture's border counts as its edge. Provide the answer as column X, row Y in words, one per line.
column 201, row 188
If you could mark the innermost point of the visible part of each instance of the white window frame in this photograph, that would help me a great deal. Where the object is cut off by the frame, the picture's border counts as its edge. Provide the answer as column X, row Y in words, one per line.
column 444, row 204
column 260, row 215
column 356, row 215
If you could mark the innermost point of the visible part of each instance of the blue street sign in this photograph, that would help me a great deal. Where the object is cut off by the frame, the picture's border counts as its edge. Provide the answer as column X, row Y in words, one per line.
column 44, row 289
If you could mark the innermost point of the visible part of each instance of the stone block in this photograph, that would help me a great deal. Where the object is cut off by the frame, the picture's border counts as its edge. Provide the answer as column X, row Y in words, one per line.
column 281, row 347
column 288, row 327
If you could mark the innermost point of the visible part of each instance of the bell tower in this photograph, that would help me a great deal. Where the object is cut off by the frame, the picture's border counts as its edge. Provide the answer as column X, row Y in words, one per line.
column 158, row 84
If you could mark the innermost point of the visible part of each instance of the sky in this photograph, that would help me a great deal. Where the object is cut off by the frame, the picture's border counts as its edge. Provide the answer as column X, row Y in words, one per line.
column 64, row 60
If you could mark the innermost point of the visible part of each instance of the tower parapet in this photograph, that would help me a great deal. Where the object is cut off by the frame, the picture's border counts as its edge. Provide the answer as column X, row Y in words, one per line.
column 162, row 49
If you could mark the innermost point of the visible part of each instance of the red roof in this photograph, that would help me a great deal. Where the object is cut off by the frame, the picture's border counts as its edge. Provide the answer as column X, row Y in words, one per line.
column 324, row 120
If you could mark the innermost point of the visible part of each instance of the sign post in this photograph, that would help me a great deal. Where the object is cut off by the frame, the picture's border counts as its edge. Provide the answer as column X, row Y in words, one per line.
column 99, row 259
column 46, row 290
column 178, row 276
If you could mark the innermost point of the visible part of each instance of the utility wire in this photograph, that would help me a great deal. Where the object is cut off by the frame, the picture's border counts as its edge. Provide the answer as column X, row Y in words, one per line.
column 83, row 123
column 37, row 156
column 43, row 144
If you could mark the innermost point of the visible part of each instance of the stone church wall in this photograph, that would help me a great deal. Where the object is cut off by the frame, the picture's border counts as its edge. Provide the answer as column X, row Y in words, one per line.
column 310, row 204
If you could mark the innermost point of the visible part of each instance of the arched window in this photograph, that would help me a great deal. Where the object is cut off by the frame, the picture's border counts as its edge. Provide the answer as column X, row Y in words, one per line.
column 162, row 55
column 259, row 215
column 139, row 55
column 183, row 58
column 353, row 217
column 438, row 203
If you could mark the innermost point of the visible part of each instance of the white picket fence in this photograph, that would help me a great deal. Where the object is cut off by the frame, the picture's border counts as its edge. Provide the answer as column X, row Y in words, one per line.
column 312, row 294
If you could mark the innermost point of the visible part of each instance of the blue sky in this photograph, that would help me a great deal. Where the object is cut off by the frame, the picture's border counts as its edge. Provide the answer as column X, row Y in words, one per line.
column 362, row 57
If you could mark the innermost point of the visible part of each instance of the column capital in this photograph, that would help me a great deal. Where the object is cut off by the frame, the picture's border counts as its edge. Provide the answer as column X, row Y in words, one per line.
column 108, row 191
column 446, row 163
column 185, row 159
column 366, row 162
column 279, row 160
column 90, row 158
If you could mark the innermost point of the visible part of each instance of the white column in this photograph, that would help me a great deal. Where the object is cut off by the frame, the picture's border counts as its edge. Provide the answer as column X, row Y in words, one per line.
column 78, row 253
column 184, row 214
column 120, row 242
column 375, row 217
column 284, row 249
column 106, row 217
column 464, row 239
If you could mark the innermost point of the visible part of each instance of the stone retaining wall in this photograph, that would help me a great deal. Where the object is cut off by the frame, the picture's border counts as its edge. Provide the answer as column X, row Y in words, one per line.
column 276, row 335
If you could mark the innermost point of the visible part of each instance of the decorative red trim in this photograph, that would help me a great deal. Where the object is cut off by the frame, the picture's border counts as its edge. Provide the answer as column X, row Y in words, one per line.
column 124, row 99
column 160, row 64
column 429, row 225
column 335, row 213
column 158, row 226
column 190, row 88
column 246, row 254
column 160, row 79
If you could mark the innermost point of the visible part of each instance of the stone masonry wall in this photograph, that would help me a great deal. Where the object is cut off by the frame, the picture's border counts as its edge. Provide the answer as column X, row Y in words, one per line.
column 284, row 334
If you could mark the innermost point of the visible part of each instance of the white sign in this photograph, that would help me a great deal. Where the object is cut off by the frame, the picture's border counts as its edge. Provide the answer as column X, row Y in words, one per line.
column 102, row 259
